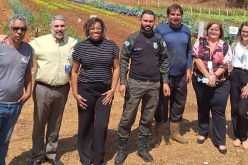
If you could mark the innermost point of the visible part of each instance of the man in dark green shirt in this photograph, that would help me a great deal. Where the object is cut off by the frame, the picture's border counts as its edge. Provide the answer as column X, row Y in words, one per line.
column 147, row 54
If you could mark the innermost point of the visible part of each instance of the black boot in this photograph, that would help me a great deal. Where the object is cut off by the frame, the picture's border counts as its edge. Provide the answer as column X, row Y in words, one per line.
column 143, row 149
column 121, row 151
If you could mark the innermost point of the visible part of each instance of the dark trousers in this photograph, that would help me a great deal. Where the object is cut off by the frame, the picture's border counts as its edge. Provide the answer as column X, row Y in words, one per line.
column 49, row 104
column 239, row 107
column 137, row 91
column 176, row 101
column 93, row 123
column 212, row 99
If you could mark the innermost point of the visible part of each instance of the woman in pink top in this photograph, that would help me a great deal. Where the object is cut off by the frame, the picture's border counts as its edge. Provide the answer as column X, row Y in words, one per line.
column 212, row 57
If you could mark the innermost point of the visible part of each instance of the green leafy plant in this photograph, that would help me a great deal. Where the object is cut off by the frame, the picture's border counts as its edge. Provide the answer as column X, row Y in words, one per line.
column 19, row 8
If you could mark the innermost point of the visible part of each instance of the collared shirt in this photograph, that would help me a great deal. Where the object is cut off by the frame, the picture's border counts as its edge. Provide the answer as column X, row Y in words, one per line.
column 240, row 56
column 51, row 58
column 220, row 57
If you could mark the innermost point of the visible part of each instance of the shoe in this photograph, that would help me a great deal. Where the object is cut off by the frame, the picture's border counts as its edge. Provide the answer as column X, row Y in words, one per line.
column 156, row 136
column 143, row 150
column 236, row 142
column 121, row 151
column 175, row 134
column 54, row 162
column 245, row 144
column 35, row 162
column 222, row 149
column 200, row 139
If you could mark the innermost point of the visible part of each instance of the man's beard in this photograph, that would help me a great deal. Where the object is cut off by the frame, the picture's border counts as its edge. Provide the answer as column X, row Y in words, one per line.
column 144, row 28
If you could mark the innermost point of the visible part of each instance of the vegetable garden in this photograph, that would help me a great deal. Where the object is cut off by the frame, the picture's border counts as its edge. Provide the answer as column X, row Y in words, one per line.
column 121, row 19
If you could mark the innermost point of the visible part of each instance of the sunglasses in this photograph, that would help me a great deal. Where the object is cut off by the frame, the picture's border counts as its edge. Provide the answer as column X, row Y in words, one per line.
column 16, row 29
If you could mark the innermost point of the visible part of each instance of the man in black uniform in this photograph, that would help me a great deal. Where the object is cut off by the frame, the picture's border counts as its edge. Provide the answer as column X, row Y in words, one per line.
column 149, row 62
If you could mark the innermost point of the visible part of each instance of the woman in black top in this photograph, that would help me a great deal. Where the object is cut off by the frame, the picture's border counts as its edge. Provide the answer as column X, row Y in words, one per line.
column 95, row 74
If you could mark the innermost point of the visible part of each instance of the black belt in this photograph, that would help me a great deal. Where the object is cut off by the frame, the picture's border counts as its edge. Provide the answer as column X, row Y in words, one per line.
column 50, row 86
column 245, row 70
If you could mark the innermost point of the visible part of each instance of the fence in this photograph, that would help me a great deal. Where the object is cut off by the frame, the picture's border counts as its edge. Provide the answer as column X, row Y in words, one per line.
column 194, row 10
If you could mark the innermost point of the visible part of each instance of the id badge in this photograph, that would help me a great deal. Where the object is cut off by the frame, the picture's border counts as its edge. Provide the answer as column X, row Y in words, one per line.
column 210, row 64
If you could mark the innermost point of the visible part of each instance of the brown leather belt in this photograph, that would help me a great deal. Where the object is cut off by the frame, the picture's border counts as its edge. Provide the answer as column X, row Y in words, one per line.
column 50, row 86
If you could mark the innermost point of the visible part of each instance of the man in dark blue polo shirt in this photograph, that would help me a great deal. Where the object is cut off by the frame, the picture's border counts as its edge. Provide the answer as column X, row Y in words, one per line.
column 177, row 38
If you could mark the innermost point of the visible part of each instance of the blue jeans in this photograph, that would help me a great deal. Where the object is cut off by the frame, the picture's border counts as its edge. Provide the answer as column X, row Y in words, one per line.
column 9, row 114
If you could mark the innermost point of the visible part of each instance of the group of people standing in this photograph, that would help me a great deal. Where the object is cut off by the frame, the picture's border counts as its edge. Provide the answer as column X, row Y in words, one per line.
column 155, row 66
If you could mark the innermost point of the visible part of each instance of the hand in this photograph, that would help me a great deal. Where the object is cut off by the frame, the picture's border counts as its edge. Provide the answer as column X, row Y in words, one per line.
column 244, row 92
column 81, row 101
column 166, row 89
column 108, row 98
column 24, row 98
column 188, row 76
column 212, row 80
column 2, row 38
column 122, row 90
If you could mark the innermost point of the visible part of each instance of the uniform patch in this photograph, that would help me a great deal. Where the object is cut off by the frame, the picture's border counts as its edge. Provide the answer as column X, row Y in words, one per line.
column 164, row 44
column 127, row 43
column 155, row 45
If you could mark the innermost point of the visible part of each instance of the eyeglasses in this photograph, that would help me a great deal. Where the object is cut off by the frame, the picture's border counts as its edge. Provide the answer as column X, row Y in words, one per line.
column 16, row 29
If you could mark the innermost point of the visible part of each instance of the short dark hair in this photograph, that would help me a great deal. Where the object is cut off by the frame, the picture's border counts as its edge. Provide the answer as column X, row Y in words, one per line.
column 220, row 26
column 174, row 6
column 150, row 12
column 90, row 22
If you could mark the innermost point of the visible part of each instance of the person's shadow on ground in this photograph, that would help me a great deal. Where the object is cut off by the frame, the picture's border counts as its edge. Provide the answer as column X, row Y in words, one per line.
column 65, row 145
column 111, row 143
column 70, row 144
column 229, row 128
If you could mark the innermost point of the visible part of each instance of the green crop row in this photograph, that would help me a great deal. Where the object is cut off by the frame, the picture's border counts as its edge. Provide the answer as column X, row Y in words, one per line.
column 86, row 8
column 19, row 8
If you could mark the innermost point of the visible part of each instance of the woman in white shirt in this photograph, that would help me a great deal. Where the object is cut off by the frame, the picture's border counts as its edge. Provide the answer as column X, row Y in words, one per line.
column 239, row 87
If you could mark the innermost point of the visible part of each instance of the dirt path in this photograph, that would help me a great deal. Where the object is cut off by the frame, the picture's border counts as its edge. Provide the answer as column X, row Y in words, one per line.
column 172, row 154
column 5, row 13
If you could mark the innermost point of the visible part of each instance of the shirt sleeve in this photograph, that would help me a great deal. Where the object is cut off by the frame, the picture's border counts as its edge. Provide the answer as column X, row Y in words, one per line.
column 33, row 45
column 164, row 64
column 189, row 53
column 30, row 62
column 124, row 60
column 116, row 50
column 155, row 30
column 196, row 47
column 227, row 56
column 76, row 53
column 31, row 52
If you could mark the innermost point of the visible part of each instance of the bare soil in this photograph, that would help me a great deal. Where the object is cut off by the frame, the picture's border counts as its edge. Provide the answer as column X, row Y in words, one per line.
column 173, row 154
